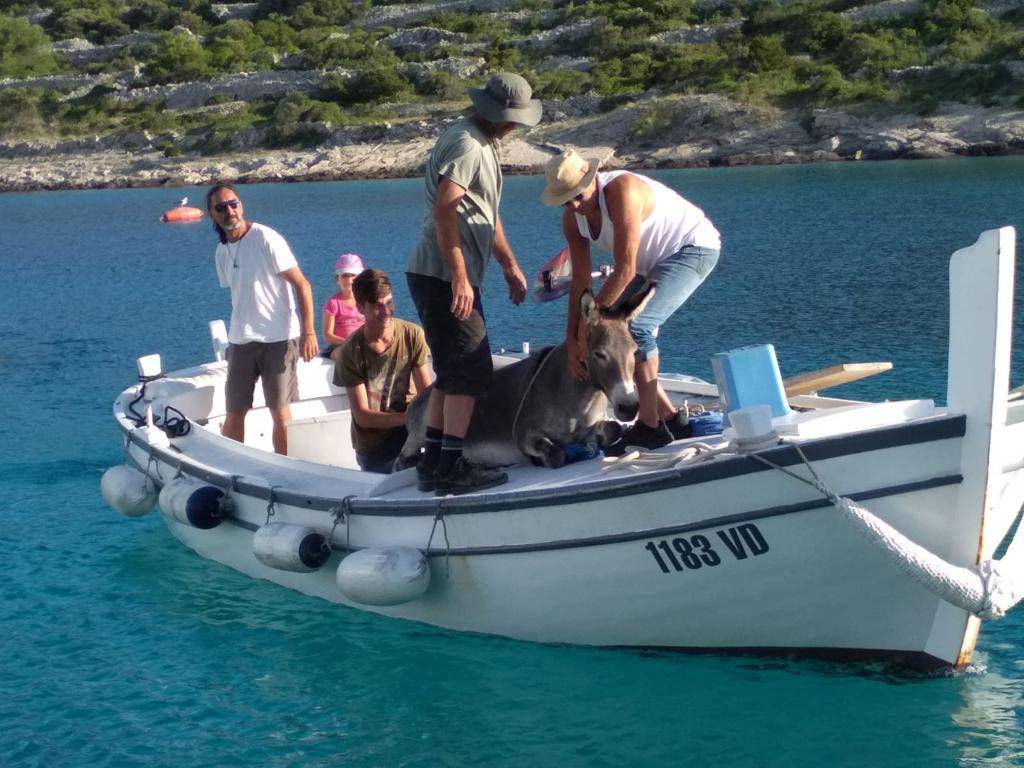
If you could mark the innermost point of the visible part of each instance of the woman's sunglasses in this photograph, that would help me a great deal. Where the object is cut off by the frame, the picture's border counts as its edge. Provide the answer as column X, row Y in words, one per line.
column 221, row 207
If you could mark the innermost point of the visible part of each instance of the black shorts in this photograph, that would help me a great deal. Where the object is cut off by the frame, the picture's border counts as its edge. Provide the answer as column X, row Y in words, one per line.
column 460, row 349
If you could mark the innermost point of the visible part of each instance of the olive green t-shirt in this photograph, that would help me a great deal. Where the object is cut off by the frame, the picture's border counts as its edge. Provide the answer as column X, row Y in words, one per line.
column 387, row 376
column 467, row 156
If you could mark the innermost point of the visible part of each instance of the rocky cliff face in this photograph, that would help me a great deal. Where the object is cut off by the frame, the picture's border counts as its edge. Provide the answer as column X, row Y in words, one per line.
column 653, row 130
column 655, row 133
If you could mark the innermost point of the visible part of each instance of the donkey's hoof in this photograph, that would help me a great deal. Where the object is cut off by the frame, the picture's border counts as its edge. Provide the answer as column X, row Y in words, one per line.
column 553, row 456
column 404, row 462
column 607, row 432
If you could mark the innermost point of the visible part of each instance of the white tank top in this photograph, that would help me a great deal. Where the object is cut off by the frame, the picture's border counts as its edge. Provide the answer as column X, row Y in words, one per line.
column 674, row 223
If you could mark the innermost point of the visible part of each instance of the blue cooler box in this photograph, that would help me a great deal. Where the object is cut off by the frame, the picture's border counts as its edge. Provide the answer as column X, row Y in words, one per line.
column 750, row 376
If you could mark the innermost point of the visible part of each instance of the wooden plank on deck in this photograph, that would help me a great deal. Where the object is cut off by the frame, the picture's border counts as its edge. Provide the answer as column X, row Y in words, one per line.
column 815, row 381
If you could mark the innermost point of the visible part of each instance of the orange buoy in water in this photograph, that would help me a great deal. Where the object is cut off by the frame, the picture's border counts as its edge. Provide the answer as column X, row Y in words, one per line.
column 182, row 213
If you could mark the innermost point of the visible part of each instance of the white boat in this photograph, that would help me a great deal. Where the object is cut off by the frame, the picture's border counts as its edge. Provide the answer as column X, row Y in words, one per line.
column 745, row 544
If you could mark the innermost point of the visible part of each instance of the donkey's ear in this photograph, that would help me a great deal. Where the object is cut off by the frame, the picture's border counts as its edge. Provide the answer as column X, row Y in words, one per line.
column 588, row 308
column 634, row 305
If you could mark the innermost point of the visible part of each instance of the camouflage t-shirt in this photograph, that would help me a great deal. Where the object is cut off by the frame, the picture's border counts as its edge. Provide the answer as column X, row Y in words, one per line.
column 387, row 377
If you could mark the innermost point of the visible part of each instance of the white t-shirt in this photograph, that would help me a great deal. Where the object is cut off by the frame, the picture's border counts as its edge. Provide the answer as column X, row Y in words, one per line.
column 263, row 304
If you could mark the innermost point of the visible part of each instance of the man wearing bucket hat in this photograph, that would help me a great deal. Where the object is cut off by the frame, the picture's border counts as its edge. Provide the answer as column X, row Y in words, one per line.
column 341, row 316
column 461, row 229
column 654, row 236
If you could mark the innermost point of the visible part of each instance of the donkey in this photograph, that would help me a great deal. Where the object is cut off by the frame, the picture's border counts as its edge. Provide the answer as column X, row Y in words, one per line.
column 536, row 406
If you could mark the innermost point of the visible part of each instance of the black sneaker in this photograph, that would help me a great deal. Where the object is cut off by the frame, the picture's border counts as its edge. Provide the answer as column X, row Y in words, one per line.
column 639, row 435
column 424, row 478
column 466, row 478
column 679, row 426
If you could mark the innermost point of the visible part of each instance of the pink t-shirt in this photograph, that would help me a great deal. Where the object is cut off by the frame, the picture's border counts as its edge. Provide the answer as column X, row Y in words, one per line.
column 346, row 318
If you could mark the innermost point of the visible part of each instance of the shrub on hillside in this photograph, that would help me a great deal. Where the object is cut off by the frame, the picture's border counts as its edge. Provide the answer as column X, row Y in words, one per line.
column 294, row 115
column 441, row 85
column 372, row 85
column 234, row 46
column 25, row 50
column 96, row 20
column 871, row 56
column 306, row 14
column 174, row 58
column 20, row 116
column 560, row 83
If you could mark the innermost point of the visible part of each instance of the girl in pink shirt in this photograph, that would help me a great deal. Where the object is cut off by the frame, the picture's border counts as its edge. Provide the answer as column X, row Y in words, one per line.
column 341, row 317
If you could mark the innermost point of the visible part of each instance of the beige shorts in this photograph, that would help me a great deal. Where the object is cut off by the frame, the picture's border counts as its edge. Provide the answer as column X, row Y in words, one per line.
column 273, row 362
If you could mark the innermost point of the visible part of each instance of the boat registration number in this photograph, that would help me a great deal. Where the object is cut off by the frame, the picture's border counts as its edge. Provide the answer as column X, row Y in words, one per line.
column 683, row 553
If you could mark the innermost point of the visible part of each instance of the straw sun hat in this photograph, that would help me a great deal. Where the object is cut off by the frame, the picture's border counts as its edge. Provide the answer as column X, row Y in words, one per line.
column 568, row 175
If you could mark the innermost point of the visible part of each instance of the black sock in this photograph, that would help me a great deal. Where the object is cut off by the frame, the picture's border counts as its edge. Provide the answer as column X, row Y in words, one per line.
column 432, row 448
column 451, row 450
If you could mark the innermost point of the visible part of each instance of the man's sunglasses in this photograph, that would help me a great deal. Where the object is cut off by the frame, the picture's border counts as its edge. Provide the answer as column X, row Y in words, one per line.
column 221, row 207
column 577, row 199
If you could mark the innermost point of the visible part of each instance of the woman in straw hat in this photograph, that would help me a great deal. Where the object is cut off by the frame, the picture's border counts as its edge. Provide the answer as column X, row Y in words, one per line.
column 654, row 236
column 461, row 230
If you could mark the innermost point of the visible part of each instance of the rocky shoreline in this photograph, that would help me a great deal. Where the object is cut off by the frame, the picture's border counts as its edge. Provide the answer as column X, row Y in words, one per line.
column 674, row 132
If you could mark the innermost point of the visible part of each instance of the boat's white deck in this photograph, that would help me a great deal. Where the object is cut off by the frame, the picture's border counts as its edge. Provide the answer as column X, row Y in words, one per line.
column 323, row 464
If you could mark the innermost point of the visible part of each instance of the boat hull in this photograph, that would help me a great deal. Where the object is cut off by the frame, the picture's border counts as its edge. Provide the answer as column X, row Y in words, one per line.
column 730, row 556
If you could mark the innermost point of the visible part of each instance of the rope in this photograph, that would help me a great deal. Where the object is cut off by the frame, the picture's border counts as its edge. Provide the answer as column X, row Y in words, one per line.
column 152, row 460
column 339, row 514
column 173, row 425
column 439, row 517
column 522, row 401
column 646, row 461
column 988, row 590
column 271, row 511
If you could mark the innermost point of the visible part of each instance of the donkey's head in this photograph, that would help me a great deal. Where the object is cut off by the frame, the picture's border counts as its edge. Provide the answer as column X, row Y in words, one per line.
column 610, row 360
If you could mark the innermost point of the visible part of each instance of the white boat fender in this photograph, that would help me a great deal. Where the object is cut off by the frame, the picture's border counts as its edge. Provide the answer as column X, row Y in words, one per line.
column 384, row 575
column 128, row 490
column 290, row 547
column 194, row 503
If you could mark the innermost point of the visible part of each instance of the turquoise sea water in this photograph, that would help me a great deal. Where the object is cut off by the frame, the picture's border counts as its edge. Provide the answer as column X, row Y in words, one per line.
column 118, row 647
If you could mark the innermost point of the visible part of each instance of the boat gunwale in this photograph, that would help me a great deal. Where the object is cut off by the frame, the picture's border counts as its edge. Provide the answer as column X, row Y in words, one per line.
column 930, row 429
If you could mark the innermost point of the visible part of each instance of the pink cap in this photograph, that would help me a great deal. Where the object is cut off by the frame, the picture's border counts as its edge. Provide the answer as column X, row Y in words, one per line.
column 348, row 264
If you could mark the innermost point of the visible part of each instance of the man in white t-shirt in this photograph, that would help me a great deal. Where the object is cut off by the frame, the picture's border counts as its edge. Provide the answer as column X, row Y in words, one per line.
column 271, row 315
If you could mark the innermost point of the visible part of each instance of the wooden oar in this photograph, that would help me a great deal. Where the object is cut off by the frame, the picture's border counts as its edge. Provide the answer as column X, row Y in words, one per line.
column 825, row 378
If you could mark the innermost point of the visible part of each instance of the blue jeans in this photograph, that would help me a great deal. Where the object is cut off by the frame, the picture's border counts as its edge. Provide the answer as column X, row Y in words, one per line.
column 676, row 278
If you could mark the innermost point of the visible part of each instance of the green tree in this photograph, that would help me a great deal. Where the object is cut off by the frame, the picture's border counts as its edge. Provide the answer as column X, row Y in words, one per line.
column 630, row 74
column 871, row 55
column 234, row 46
column 373, row 85
column 97, row 20
column 277, row 34
column 766, row 54
column 306, row 14
column 560, row 83
column 146, row 14
column 817, row 32
column 25, row 50
column 291, row 122
column 176, row 58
